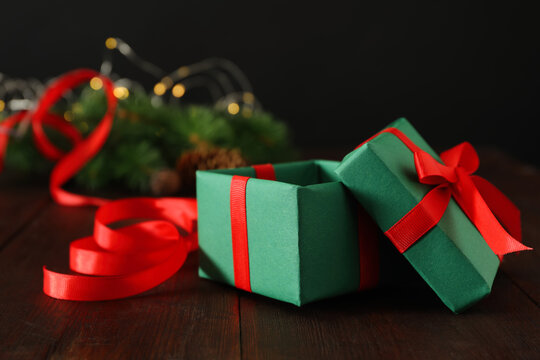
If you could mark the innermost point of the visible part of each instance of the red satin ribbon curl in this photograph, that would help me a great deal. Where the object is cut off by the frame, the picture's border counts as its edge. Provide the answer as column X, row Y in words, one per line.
column 122, row 262
column 493, row 214
column 54, row 121
column 83, row 149
column 131, row 259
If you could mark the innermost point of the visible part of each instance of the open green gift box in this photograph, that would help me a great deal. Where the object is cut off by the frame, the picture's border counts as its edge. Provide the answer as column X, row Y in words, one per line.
column 308, row 239
column 303, row 232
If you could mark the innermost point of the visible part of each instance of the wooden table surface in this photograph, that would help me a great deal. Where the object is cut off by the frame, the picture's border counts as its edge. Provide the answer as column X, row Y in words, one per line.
column 187, row 317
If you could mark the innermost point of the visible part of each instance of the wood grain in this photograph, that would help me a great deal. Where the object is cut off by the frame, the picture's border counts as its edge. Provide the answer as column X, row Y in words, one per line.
column 32, row 323
column 412, row 322
column 521, row 183
column 182, row 318
column 392, row 324
column 21, row 200
column 188, row 317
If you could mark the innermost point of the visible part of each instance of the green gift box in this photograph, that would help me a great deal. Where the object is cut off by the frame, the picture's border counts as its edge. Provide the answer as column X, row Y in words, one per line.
column 302, row 229
column 453, row 257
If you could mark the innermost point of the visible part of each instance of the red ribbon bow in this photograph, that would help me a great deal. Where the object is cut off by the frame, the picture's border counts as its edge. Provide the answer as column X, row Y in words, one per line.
column 486, row 206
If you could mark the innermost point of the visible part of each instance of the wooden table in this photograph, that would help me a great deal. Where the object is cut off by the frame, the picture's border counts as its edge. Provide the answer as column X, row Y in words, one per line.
column 187, row 317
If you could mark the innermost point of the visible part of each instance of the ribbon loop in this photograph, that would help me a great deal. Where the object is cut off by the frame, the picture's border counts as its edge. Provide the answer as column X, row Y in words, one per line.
column 83, row 149
column 131, row 259
column 54, row 93
column 463, row 156
column 122, row 261
column 432, row 172
column 454, row 179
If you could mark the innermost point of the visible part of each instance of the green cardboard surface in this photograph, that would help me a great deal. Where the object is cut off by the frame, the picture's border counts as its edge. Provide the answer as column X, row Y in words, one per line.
column 328, row 241
column 272, row 223
column 452, row 258
column 302, row 231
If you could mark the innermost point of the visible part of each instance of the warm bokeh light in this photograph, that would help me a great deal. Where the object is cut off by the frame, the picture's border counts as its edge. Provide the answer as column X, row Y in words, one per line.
column 121, row 92
column 248, row 98
column 178, row 90
column 233, row 108
column 68, row 116
column 2, row 105
column 96, row 83
column 111, row 43
column 159, row 89
column 77, row 108
column 183, row 71
column 167, row 81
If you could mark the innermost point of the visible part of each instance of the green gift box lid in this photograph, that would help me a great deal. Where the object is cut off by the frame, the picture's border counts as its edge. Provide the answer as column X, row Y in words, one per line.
column 302, row 231
column 453, row 258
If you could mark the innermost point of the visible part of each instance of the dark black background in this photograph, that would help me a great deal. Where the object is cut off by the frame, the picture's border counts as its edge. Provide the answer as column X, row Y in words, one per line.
column 335, row 71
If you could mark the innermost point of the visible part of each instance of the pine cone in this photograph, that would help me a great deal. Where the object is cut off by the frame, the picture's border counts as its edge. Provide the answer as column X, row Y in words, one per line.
column 206, row 158
column 165, row 182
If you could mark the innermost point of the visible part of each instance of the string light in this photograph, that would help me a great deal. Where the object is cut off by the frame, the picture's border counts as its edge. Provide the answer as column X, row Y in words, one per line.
column 183, row 71
column 178, row 90
column 77, row 108
column 167, row 81
column 68, row 116
column 111, row 43
column 220, row 76
column 233, row 108
column 248, row 97
column 96, row 83
column 123, row 48
column 121, row 92
column 222, row 70
column 159, row 89
column 227, row 84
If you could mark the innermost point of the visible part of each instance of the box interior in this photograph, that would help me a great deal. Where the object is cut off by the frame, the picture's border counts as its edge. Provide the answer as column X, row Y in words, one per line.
column 302, row 173
column 305, row 212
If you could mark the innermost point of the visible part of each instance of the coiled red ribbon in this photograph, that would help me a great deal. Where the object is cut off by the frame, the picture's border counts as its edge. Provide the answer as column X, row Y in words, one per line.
column 485, row 205
column 124, row 261
column 129, row 260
